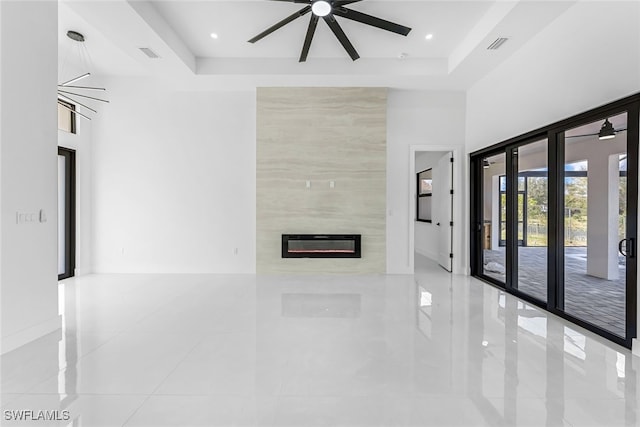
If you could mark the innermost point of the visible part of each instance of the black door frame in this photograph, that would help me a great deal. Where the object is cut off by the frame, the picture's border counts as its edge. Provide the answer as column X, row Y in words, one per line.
column 70, row 212
column 554, row 134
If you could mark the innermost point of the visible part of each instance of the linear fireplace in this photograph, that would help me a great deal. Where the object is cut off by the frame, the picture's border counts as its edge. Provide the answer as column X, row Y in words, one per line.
column 321, row 246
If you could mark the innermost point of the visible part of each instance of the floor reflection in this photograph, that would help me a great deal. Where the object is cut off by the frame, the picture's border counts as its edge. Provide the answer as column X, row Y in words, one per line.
column 407, row 350
column 321, row 305
column 524, row 365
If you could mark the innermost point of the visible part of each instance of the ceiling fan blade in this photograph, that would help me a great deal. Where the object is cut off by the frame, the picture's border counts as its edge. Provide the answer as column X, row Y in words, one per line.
column 580, row 136
column 307, row 41
column 339, row 3
column 342, row 37
column 592, row 134
column 281, row 24
column 371, row 20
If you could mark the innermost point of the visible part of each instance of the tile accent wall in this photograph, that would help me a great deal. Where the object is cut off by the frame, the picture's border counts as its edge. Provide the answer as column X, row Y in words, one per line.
column 308, row 138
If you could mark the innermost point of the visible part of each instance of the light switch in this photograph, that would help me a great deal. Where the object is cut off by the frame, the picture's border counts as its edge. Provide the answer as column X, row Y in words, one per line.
column 308, row 184
column 332, row 184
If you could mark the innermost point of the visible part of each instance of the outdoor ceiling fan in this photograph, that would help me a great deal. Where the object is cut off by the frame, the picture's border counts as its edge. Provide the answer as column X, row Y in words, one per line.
column 328, row 10
column 607, row 131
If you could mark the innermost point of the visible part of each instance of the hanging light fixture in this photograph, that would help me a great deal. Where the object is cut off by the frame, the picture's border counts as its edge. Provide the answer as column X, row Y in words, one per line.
column 68, row 91
column 607, row 131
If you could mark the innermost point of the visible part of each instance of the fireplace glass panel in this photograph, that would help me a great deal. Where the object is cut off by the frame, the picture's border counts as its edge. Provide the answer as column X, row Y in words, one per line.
column 321, row 246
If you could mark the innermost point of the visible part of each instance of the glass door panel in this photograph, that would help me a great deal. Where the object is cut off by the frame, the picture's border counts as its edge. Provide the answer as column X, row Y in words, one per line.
column 595, row 214
column 494, row 217
column 520, row 210
column 533, row 190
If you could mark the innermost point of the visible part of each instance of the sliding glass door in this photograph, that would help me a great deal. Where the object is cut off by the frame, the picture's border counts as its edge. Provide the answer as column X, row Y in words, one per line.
column 595, row 218
column 554, row 218
column 531, row 214
column 494, row 215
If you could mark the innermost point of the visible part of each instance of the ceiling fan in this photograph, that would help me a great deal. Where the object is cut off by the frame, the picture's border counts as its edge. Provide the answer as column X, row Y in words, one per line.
column 607, row 131
column 328, row 10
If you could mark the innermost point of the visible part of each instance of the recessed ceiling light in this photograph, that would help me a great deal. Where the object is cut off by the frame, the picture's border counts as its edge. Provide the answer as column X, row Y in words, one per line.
column 428, row 36
column 214, row 36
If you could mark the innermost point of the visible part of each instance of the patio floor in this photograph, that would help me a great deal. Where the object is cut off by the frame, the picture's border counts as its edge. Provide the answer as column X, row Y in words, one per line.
column 597, row 301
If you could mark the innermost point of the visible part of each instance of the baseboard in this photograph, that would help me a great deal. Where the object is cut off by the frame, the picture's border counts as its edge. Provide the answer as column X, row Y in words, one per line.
column 25, row 336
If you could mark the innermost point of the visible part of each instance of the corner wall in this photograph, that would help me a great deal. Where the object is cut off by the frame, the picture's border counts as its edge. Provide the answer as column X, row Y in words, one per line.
column 28, row 117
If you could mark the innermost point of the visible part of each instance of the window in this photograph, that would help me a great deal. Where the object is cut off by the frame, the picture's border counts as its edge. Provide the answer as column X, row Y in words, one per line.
column 66, row 117
column 424, row 196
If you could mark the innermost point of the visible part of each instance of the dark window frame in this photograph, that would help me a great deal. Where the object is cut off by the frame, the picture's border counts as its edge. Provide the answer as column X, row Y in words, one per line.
column 70, row 210
column 420, row 195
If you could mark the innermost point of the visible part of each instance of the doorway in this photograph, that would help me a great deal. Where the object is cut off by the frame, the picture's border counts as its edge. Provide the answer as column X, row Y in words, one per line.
column 66, row 213
column 432, row 207
column 554, row 218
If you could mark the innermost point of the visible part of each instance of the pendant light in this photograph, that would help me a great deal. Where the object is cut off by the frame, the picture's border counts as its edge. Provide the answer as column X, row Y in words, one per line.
column 69, row 91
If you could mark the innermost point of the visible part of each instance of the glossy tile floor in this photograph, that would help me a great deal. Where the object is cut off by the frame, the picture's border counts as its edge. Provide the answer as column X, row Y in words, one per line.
column 429, row 349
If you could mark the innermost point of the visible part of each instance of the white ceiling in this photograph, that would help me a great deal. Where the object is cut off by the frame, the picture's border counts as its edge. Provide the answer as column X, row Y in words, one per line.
column 237, row 21
column 179, row 31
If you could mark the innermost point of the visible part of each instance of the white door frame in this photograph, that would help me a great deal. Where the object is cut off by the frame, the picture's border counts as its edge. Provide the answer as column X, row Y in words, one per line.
column 459, row 254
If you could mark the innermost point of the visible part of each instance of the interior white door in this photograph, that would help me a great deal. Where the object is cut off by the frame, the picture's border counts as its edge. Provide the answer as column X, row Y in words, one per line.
column 444, row 209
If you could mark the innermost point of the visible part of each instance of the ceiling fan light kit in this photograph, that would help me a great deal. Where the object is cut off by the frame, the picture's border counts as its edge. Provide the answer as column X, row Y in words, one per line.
column 328, row 10
column 321, row 8
column 606, row 131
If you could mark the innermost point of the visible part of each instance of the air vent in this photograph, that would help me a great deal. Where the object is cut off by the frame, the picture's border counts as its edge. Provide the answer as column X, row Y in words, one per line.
column 497, row 43
column 150, row 53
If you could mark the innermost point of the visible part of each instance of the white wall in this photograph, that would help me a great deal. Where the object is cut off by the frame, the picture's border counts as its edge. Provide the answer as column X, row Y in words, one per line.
column 588, row 57
column 174, row 180
column 28, row 278
column 418, row 118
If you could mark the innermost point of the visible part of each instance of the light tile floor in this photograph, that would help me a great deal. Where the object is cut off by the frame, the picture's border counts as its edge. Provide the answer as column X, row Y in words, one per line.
column 430, row 349
column 592, row 299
